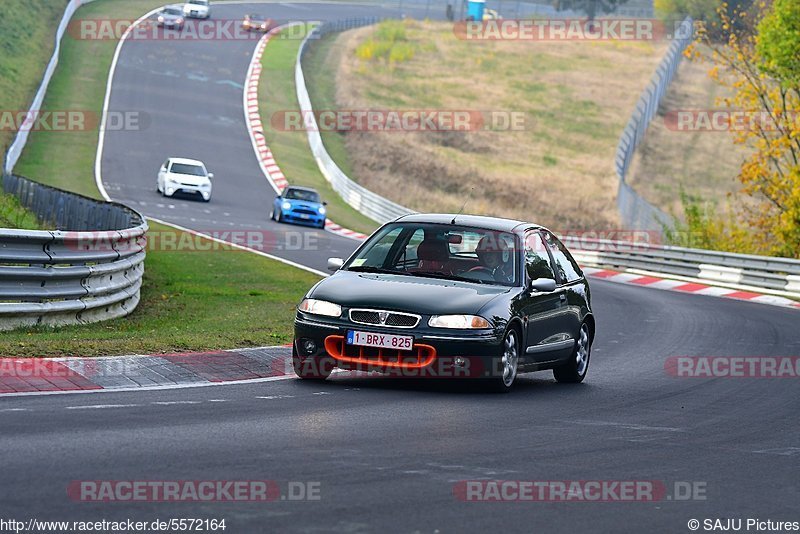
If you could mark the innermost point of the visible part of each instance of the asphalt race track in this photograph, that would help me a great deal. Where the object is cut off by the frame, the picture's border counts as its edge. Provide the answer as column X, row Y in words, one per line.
column 389, row 454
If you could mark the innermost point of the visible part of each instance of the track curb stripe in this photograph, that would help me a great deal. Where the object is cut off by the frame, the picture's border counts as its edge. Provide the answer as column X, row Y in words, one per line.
column 42, row 376
column 255, row 126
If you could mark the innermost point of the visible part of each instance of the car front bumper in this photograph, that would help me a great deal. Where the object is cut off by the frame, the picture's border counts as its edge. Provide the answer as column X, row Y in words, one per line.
column 294, row 217
column 436, row 353
column 171, row 188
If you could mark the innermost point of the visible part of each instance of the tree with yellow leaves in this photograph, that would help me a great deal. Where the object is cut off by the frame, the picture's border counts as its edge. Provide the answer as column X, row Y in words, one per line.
column 759, row 60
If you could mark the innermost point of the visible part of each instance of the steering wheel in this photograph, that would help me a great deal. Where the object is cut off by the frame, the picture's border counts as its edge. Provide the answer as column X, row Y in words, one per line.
column 481, row 269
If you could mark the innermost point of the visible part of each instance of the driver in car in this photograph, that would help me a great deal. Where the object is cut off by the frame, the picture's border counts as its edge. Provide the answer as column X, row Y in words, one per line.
column 495, row 258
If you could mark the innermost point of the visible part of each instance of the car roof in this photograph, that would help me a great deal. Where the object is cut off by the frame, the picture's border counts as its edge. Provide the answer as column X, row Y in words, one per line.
column 185, row 161
column 477, row 221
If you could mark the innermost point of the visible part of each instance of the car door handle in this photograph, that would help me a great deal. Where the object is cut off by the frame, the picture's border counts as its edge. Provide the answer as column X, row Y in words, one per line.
column 562, row 297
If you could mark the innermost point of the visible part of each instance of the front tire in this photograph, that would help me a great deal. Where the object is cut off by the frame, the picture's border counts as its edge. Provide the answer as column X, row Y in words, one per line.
column 509, row 363
column 574, row 371
column 313, row 367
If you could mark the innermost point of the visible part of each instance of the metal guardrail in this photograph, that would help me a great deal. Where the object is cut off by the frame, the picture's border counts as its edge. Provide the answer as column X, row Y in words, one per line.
column 635, row 211
column 360, row 198
column 779, row 276
column 89, row 269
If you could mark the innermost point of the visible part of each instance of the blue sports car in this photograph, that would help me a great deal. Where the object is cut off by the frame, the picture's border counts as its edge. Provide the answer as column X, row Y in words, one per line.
column 299, row 205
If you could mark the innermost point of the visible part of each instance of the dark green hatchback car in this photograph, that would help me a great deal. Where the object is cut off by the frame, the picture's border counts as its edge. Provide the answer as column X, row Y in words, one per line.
column 450, row 296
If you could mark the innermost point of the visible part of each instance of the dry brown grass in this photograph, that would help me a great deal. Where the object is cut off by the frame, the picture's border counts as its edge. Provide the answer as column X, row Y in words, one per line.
column 704, row 163
column 558, row 170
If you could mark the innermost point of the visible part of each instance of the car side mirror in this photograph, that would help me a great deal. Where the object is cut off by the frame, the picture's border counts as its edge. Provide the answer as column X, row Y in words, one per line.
column 334, row 264
column 210, row 175
column 542, row 285
column 324, row 203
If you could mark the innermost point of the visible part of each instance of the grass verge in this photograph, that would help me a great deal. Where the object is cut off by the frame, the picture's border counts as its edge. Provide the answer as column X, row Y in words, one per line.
column 13, row 215
column 191, row 299
column 27, row 33
column 277, row 93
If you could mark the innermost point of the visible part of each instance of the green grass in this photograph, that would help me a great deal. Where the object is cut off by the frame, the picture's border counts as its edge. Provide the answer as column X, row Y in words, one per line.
column 79, row 84
column 291, row 150
column 27, row 32
column 190, row 301
column 13, row 215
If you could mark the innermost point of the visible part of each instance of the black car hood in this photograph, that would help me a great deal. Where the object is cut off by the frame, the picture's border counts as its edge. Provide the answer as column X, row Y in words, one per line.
column 426, row 296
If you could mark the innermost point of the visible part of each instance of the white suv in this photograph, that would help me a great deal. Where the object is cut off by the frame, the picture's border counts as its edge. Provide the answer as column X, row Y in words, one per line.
column 185, row 176
column 197, row 9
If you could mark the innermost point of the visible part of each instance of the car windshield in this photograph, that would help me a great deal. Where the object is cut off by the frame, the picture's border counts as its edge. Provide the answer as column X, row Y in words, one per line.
column 199, row 2
column 191, row 170
column 172, row 11
column 300, row 194
column 450, row 252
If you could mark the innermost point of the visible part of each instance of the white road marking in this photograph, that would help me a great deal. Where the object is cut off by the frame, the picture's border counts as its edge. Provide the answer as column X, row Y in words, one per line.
column 322, row 393
column 217, row 400
column 102, row 406
column 171, row 403
column 275, row 397
column 14, row 410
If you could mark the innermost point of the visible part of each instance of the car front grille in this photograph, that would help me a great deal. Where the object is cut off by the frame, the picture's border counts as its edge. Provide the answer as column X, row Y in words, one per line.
column 418, row 357
column 307, row 212
column 384, row 318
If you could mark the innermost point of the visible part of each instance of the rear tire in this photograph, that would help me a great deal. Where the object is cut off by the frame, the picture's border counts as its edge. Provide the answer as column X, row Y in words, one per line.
column 313, row 367
column 574, row 371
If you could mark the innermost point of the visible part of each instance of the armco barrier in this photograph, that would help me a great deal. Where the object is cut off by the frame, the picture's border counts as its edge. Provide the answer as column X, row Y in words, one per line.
column 360, row 198
column 89, row 269
column 778, row 276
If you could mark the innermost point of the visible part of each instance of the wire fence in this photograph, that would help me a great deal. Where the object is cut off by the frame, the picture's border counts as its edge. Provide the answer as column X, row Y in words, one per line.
column 634, row 210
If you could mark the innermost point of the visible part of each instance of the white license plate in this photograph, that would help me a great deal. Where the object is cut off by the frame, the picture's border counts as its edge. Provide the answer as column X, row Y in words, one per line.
column 305, row 216
column 384, row 341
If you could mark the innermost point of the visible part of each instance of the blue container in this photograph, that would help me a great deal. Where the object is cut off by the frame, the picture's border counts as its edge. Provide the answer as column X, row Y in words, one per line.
column 475, row 9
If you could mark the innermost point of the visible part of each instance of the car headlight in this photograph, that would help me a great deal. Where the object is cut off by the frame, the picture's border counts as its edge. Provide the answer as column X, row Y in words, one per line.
column 286, row 205
column 205, row 186
column 322, row 210
column 160, row 18
column 458, row 321
column 320, row 307
column 180, row 21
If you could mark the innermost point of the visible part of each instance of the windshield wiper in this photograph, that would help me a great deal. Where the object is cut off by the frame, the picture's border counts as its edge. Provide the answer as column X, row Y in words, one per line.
column 449, row 277
column 371, row 269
